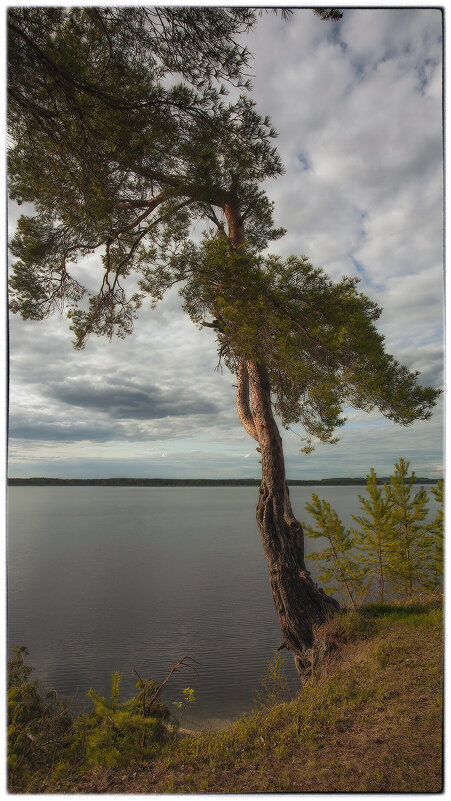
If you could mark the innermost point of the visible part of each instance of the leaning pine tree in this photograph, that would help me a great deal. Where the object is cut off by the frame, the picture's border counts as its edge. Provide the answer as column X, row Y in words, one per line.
column 118, row 161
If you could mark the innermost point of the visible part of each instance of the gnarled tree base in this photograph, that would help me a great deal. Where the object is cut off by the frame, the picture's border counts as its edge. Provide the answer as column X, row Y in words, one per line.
column 301, row 606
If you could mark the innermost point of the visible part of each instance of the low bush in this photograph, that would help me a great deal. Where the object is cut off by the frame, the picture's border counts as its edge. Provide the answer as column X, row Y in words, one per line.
column 117, row 733
column 45, row 740
column 39, row 726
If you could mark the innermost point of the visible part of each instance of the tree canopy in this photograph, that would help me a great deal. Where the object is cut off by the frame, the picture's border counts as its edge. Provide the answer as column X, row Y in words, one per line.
column 121, row 136
column 317, row 337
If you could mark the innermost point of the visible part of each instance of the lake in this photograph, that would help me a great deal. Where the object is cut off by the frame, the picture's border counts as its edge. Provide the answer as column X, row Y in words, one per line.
column 120, row 578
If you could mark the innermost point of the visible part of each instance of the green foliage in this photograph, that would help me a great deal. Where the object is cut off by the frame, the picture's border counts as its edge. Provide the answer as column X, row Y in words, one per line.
column 188, row 698
column 373, row 538
column 393, row 542
column 117, row 159
column 317, row 338
column 339, row 568
column 117, row 732
column 437, row 532
column 45, row 742
column 374, row 686
column 39, row 726
column 328, row 13
column 273, row 687
column 409, row 540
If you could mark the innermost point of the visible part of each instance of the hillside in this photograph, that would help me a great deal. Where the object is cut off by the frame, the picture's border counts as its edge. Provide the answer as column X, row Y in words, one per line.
column 370, row 720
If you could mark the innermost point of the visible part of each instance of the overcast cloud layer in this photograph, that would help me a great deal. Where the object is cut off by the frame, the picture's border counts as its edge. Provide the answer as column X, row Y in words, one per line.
column 358, row 107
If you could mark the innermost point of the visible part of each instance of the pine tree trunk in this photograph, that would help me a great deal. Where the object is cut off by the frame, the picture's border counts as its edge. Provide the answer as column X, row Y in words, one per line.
column 300, row 604
column 408, row 578
column 343, row 577
column 380, row 571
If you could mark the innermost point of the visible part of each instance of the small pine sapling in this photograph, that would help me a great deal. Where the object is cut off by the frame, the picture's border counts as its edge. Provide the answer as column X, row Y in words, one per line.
column 117, row 732
column 339, row 570
column 436, row 536
column 188, row 698
column 410, row 545
column 372, row 538
column 273, row 687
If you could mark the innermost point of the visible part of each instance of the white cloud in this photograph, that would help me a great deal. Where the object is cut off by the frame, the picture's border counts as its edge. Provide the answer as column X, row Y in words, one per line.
column 358, row 109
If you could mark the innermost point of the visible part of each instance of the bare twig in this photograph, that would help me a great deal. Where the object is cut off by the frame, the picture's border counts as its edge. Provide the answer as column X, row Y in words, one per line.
column 174, row 667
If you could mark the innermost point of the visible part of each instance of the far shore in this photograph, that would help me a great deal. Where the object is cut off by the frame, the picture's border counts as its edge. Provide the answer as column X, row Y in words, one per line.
column 193, row 482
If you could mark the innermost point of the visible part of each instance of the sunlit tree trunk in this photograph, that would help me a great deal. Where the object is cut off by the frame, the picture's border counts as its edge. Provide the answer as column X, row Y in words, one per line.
column 300, row 604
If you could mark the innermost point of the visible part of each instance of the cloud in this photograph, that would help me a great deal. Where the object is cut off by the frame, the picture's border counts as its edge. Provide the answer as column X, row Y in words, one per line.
column 128, row 401
column 359, row 113
column 61, row 432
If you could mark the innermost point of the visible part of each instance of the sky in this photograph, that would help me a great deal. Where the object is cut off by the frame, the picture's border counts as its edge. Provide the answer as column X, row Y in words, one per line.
column 358, row 108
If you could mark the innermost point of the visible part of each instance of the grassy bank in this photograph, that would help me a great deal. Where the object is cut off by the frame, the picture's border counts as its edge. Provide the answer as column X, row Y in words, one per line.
column 368, row 720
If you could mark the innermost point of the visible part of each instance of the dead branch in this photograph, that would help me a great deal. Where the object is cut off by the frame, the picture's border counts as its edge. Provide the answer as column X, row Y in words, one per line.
column 177, row 666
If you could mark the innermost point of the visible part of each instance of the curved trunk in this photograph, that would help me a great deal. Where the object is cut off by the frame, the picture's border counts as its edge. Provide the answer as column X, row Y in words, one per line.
column 299, row 603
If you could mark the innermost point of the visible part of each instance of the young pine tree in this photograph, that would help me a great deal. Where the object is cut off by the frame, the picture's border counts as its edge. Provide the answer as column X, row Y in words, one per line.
column 372, row 539
column 116, row 732
column 410, row 545
column 39, row 727
column 341, row 570
column 437, row 531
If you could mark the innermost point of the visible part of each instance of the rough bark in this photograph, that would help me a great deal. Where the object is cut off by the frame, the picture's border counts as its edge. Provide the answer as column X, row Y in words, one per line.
column 234, row 223
column 300, row 604
column 242, row 402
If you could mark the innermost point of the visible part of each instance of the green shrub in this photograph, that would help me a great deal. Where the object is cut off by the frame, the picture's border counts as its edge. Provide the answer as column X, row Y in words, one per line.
column 44, row 742
column 273, row 687
column 39, row 726
column 118, row 733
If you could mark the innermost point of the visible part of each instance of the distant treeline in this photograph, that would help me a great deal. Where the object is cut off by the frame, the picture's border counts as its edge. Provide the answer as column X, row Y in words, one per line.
column 190, row 482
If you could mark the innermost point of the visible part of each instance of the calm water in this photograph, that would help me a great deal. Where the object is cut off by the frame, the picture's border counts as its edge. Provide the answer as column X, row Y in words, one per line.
column 116, row 578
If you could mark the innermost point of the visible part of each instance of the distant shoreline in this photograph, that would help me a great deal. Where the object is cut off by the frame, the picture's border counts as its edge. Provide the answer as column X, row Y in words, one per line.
column 192, row 482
